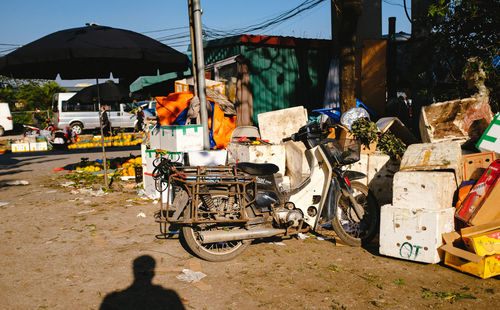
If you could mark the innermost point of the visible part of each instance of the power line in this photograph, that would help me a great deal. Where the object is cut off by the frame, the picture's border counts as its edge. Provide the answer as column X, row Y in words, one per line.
column 214, row 33
column 394, row 4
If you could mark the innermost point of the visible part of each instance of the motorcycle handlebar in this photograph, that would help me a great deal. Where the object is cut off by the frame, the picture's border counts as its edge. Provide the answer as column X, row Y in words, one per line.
column 286, row 139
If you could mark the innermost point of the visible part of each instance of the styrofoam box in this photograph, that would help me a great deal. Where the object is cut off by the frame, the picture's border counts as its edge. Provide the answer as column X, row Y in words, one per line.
column 207, row 158
column 262, row 153
column 379, row 170
column 414, row 234
column 431, row 190
column 38, row 146
column 148, row 156
column 20, row 147
column 177, row 138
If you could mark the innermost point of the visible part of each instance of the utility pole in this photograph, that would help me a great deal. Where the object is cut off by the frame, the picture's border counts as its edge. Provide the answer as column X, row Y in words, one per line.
column 199, row 63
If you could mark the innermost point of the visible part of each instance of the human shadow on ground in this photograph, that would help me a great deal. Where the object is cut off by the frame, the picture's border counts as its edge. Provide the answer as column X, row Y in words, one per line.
column 142, row 293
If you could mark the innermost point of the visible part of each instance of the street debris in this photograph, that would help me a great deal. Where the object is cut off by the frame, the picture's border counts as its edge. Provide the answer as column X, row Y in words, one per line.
column 17, row 182
column 190, row 276
column 141, row 214
column 302, row 236
column 88, row 191
column 86, row 212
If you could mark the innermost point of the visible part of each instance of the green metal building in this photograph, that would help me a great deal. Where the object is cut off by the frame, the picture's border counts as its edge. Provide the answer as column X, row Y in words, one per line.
column 284, row 71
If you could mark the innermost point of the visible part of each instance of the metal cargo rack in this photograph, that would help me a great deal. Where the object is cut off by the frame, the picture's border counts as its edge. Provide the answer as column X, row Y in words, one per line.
column 203, row 185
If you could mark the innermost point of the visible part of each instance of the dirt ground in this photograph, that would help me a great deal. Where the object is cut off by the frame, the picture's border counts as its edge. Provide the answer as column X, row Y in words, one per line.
column 61, row 249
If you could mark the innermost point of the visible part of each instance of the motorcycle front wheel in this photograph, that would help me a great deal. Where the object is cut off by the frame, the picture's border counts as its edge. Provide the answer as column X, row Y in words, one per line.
column 217, row 251
column 348, row 228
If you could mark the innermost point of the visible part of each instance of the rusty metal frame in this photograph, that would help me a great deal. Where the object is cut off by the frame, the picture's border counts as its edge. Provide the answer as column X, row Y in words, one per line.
column 217, row 180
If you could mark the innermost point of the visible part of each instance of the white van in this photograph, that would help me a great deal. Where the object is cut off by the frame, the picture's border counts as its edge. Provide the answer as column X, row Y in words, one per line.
column 86, row 116
column 6, row 123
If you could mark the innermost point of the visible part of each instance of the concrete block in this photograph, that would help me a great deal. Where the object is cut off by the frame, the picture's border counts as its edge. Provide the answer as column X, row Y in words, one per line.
column 430, row 190
column 414, row 234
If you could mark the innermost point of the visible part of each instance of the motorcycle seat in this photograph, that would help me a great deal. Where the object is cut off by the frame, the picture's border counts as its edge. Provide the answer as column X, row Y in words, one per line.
column 258, row 169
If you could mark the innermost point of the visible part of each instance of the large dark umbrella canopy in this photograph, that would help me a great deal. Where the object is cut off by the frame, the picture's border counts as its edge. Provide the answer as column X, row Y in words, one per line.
column 108, row 92
column 92, row 52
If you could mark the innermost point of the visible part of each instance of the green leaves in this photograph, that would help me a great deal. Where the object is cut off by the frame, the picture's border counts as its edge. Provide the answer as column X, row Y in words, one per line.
column 445, row 296
column 391, row 145
column 365, row 131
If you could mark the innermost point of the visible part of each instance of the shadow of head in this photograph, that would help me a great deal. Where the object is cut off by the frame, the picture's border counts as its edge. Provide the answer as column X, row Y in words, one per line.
column 144, row 267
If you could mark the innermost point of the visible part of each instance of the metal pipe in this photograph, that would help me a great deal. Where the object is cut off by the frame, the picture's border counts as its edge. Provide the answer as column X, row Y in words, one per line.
column 238, row 234
column 200, row 70
column 391, row 60
column 104, row 161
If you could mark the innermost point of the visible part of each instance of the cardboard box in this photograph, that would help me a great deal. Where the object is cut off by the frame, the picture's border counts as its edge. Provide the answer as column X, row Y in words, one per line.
column 481, row 204
column 483, row 239
column 475, row 164
column 481, row 266
column 20, row 147
column 486, row 243
column 414, row 235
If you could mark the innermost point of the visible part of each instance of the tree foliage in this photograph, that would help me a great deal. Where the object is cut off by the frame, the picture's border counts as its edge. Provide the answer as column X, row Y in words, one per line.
column 462, row 29
column 32, row 93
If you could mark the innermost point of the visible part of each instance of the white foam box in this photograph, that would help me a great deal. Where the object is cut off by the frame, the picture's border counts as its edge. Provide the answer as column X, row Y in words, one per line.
column 261, row 153
column 148, row 156
column 20, row 147
column 414, row 234
column 434, row 156
column 379, row 170
column 177, row 138
column 38, row 146
column 207, row 158
column 279, row 124
column 431, row 190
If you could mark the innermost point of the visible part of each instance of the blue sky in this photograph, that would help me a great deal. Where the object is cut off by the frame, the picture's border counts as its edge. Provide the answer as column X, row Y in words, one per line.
column 22, row 21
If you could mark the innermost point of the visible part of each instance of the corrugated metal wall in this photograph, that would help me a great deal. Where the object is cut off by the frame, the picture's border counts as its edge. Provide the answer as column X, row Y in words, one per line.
column 280, row 77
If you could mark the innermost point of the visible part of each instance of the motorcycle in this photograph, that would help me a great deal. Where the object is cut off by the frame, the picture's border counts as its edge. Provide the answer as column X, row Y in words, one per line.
column 221, row 209
column 30, row 130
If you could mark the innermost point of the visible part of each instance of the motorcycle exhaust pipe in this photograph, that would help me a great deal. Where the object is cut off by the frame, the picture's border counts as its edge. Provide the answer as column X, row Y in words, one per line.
column 238, row 234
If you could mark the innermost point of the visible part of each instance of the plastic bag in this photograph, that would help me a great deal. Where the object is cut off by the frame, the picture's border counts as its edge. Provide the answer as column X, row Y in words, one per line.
column 352, row 115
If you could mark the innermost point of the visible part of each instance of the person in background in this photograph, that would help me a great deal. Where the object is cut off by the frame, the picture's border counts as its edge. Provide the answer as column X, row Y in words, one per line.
column 69, row 136
column 106, row 124
column 140, row 120
column 37, row 119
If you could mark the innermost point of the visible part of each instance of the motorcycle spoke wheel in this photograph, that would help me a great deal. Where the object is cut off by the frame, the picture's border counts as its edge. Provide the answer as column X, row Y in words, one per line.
column 217, row 251
column 348, row 227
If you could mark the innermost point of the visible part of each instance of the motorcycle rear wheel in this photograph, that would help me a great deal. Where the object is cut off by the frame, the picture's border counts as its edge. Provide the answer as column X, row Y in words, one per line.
column 350, row 231
column 214, row 252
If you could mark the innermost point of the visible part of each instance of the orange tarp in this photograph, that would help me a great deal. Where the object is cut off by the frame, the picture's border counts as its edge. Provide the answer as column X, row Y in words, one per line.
column 168, row 109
